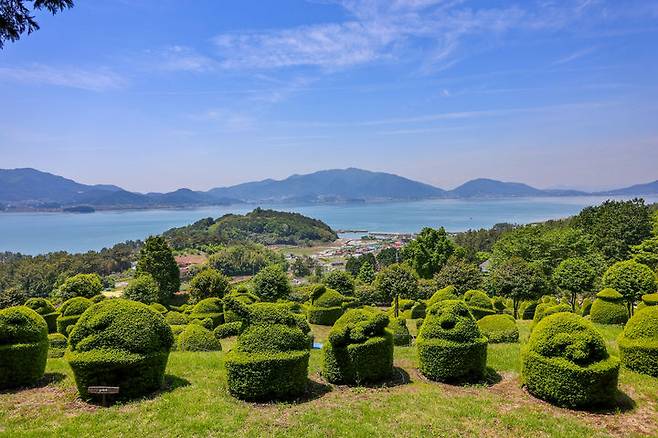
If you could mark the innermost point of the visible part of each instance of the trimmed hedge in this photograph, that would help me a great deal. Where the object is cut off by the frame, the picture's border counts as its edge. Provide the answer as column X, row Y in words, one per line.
column 586, row 307
column 400, row 331
column 327, row 305
column 529, row 309
column 609, row 308
column 546, row 309
column 198, row 338
column 176, row 318
column 359, row 348
column 242, row 295
column 647, row 301
column 228, row 329
column 158, row 308
column 23, row 347
column 212, row 308
column 638, row 344
column 46, row 309
column 408, row 309
column 70, row 312
column 499, row 328
column 566, row 362
column 447, row 293
column 270, row 357
column 56, row 345
column 120, row 343
column 450, row 344
column 479, row 303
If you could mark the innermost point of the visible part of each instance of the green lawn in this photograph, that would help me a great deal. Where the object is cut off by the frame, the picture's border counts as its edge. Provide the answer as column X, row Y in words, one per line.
column 196, row 403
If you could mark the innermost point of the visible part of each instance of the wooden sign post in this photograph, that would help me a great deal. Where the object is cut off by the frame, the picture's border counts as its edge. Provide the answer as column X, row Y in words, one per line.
column 103, row 391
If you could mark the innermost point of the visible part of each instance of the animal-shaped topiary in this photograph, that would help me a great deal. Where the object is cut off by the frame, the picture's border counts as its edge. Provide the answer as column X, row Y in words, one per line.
column 212, row 308
column 638, row 344
column 450, row 344
column 57, row 343
column 242, row 295
column 647, row 301
column 586, row 307
column 546, row 309
column 479, row 303
column 360, row 349
column 120, row 343
column 158, row 308
column 398, row 327
column 270, row 357
column 23, row 346
column 609, row 308
column 447, row 293
column 566, row 362
column 499, row 328
column 46, row 309
column 327, row 305
column 69, row 313
column 228, row 329
column 198, row 338
column 408, row 309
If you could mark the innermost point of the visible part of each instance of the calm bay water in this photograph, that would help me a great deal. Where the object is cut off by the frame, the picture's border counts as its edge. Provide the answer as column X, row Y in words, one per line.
column 34, row 233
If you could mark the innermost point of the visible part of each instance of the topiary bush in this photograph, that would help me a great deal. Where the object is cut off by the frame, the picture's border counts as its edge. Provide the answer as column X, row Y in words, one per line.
column 499, row 304
column 408, row 309
column 23, row 347
column 638, row 344
column 529, row 310
column 69, row 313
column 242, row 295
column 80, row 285
column 450, row 344
column 212, row 308
column 566, row 362
column 499, row 328
column 648, row 300
column 228, row 329
column 327, row 305
column 198, row 338
column 176, row 318
column 159, row 308
column 120, row 343
column 400, row 332
column 447, row 293
column 586, row 307
column 56, row 345
column 359, row 348
column 270, row 357
column 47, row 311
column 479, row 303
column 545, row 309
column 142, row 288
column 609, row 308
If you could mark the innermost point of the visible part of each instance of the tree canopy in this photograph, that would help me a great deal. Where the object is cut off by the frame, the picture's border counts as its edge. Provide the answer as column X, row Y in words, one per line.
column 429, row 251
column 17, row 16
column 156, row 258
column 517, row 279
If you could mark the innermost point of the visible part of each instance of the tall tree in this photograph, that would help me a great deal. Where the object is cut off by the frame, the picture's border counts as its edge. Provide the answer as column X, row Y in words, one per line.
column 631, row 279
column 272, row 283
column 17, row 16
column 574, row 276
column 459, row 273
column 429, row 251
column 156, row 258
column 397, row 280
column 366, row 273
column 516, row 279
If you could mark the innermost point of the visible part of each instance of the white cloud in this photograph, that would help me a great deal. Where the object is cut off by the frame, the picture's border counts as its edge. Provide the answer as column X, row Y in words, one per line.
column 575, row 55
column 73, row 77
column 181, row 58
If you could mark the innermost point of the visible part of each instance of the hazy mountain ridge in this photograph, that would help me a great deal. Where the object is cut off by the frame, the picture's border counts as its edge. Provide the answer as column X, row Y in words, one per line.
column 35, row 189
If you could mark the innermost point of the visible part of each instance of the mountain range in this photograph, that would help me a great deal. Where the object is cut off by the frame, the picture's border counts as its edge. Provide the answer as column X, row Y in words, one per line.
column 33, row 189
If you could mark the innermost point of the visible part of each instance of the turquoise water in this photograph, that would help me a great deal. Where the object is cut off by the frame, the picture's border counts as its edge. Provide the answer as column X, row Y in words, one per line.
column 34, row 233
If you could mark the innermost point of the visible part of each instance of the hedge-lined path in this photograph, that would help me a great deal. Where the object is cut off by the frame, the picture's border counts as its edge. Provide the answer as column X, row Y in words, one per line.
column 196, row 403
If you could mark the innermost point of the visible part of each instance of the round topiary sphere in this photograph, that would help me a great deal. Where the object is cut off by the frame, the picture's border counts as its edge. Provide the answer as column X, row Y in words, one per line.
column 198, row 338
column 120, row 343
column 212, row 308
column 46, row 309
column 270, row 357
column 23, row 346
column 566, row 362
column 57, row 345
column 638, row 344
column 401, row 336
column 450, row 344
column 499, row 328
column 609, row 308
column 69, row 313
column 359, row 348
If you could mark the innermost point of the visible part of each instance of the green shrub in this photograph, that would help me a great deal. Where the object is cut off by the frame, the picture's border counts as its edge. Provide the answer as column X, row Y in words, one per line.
column 56, row 345
column 198, row 338
column 401, row 335
column 479, row 303
column 142, row 288
column 650, row 299
column 408, row 309
column 242, row 295
column 159, row 308
column 176, row 318
column 209, row 283
column 586, row 307
column 23, row 347
column 46, row 309
column 450, row 344
column 120, row 343
column 340, row 281
column 327, row 305
column 359, row 348
column 228, row 329
column 97, row 298
column 545, row 309
column 566, row 362
column 270, row 357
column 206, row 323
column 499, row 304
column 212, row 308
column 272, row 283
column 638, row 344
column 609, row 308
column 529, row 310
column 69, row 313
column 447, row 293
column 178, row 329
column 80, row 285
column 499, row 328
column 419, row 323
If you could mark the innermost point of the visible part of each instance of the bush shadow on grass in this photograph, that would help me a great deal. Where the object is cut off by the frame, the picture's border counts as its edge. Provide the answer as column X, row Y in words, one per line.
column 490, row 377
column 622, row 403
column 47, row 379
column 314, row 391
column 171, row 383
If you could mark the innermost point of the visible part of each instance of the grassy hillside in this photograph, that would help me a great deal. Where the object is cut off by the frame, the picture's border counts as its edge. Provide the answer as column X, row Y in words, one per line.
column 197, row 403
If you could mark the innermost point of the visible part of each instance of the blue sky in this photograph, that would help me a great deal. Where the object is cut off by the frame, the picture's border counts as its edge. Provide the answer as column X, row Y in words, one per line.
column 155, row 95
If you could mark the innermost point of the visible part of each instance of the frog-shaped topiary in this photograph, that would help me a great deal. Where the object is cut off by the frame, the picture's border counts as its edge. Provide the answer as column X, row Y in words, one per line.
column 638, row 344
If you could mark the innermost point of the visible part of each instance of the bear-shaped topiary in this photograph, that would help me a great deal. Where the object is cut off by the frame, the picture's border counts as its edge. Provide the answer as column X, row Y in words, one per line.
column 23, row 347
column 327, row 305
column 499, row 328
column 359, row 348
column 638, row 343
column 609, row 308
column 46, row 309
column 242, row 295
column 479, row 303
column 212, row 308
column 398, row 327
column 270, row 357
column 69, row 313
column 197, row 338
column 566, row 362
column 450, row 344
column 447, row 293
column 120, row 343
column 408, row 309
column 57, row 345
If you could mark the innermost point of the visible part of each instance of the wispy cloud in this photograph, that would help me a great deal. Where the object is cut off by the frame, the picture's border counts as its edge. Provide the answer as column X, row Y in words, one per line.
column 72, row 77
column 182, row 58
column 575, row 55
column 225, row 119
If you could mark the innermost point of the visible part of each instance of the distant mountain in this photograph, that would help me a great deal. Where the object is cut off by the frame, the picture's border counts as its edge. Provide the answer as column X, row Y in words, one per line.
column 636, row 190
column 490, row 188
